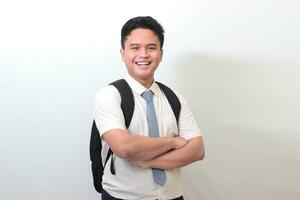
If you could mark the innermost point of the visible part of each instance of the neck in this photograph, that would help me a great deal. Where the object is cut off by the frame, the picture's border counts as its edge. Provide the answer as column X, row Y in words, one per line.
column 146, row 83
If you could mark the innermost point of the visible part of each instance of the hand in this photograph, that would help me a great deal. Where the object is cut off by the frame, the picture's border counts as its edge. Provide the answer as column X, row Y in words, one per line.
column 179, row 142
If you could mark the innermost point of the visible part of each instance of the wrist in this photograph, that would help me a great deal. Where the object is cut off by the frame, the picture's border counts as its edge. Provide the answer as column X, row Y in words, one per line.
column 173, row 142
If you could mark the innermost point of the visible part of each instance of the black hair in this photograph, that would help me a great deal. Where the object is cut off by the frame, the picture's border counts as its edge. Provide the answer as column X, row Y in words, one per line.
column 146, row 22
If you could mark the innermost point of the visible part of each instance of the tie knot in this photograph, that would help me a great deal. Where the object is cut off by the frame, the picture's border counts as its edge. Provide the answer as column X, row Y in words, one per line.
column 148, row 95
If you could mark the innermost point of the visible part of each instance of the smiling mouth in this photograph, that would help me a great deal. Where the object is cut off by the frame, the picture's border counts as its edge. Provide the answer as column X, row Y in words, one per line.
column 142, row 63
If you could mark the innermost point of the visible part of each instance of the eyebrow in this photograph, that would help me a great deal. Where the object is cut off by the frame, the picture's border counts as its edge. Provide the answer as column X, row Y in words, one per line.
column 134, row 44
column 152, row 44
column 138, row 44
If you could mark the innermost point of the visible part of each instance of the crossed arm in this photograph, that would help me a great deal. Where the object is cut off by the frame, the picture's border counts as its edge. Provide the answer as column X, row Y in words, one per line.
column 191, row 152
column 163, row 152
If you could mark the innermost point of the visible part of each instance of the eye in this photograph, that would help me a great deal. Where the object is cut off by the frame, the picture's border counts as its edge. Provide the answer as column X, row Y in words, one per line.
column 152, row 48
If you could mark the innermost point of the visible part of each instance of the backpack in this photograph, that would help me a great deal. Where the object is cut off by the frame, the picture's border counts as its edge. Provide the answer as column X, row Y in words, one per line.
column 127, row 106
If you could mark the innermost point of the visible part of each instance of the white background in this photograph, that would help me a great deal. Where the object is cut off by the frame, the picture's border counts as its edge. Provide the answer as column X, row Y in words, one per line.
column 236, row 62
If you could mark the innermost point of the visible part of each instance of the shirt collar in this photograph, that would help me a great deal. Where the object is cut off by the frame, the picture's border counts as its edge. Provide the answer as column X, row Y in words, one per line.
column 139, row 88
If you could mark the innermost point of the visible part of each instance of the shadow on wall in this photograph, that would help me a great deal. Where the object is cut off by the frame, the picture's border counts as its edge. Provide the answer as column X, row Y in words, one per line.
column 236, row 91
column 247, row 112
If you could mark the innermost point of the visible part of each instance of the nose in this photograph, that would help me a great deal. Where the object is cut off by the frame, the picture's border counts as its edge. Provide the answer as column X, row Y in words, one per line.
column 143, row 53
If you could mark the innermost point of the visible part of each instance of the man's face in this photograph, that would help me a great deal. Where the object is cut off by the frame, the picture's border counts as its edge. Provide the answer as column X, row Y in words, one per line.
column 142, row 54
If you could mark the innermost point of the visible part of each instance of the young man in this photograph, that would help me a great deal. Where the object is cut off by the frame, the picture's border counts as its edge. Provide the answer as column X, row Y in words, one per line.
column 147, row 167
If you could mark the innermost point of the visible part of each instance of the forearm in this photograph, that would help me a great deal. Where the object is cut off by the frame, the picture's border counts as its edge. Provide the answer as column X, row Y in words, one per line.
column 191, row 152
column 140, row 148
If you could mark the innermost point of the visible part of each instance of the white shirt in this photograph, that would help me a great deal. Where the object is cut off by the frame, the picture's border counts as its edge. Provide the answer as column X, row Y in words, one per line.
column 133, row 182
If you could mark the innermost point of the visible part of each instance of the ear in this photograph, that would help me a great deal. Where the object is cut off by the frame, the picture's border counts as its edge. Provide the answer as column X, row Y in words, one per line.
column 161, row 54
column 122, row 52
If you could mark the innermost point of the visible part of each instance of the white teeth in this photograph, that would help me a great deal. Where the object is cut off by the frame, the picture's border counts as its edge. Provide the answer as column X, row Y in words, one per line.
column 142, row 63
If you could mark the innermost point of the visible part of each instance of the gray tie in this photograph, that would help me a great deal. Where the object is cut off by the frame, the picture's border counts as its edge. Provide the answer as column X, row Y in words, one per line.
column 159, row 175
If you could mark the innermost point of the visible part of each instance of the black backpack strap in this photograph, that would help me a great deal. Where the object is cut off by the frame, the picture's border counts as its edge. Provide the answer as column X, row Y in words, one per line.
column 127, row 106
column 172, row 98
column 95, row 156
column 127, row 99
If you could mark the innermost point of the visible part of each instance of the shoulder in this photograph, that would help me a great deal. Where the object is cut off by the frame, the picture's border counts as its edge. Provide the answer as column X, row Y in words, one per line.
column 176, row 92
column 107, row 94
column 181, row 98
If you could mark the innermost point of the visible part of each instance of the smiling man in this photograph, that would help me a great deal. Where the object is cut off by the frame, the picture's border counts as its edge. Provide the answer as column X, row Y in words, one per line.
column 149, row 153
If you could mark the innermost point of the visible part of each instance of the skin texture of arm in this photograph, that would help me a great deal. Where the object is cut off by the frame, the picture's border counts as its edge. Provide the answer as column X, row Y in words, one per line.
column 140, row 148
column 191, row 152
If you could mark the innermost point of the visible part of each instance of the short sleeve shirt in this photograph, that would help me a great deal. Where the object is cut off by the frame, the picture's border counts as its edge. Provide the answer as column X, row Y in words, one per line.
column 131, row 181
